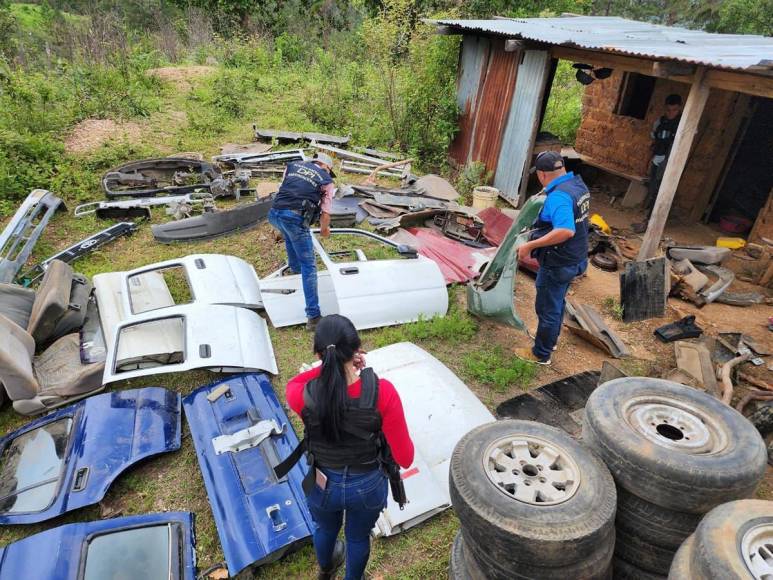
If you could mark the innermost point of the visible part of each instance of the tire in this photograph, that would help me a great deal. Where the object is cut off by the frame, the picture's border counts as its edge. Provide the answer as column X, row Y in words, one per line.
column 622, row 570
column 718, row 552
column 596, row 566
column 457, row 568
column 681, row 567
column 656, row 462
column 653, row 524
column 645, row 556
column 762, row 419
column 517, row 533
column 605, row 261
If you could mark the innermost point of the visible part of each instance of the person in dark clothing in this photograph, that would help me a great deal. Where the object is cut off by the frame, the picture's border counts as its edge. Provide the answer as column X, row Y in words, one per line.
column 559, row 242
column 306, row 191
column 663, row 134
column 347, row 419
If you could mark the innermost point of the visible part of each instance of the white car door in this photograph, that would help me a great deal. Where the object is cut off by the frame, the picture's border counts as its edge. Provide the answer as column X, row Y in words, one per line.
column 370, row 292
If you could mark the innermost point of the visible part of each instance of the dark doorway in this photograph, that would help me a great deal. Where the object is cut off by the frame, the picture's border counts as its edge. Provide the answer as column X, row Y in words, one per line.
column 748, row 179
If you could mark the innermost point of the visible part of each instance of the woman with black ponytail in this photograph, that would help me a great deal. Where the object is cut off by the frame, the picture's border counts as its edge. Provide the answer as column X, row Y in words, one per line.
column 347, row 420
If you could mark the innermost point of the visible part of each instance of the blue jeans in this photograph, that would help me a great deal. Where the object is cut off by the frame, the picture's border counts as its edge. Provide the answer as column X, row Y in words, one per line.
column 300, row 253
column 362, row 496
column 552, row 285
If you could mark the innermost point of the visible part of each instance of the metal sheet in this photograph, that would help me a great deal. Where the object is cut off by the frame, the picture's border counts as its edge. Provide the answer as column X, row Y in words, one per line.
column 492, row 295
column 371, row 293
column 211, row 278
column 58, row 553
column 629, row 37
column 472, row 65
column 439, row 411
column 522, row 122
column 239, row 341
column 494, row 100
column 109, row 433
column 458, row 263
column 258, row 517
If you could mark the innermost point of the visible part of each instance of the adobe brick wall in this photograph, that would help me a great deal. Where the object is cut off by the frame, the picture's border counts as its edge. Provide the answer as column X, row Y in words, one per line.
column 623, row 143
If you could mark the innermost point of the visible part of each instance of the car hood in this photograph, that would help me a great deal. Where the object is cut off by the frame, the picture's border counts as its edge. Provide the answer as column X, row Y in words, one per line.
column 109, row 433
column 258, row 517
column 57, row 553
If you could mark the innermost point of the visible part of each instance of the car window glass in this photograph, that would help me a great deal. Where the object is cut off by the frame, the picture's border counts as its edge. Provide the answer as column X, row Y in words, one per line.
column 159, row 289
column 151, row 344
column 131, row 554
column 31, row 466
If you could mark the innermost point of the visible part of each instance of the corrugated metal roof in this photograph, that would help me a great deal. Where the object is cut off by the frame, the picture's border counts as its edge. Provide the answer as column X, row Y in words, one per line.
column 629, row 37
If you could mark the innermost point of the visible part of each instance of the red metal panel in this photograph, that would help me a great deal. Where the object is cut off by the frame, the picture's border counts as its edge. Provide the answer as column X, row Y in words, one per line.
column 496, row 94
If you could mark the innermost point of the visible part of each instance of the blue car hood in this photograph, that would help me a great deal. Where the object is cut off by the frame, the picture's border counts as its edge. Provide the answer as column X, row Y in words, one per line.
column 109, row 433
column 258, row 517
column 56, row 554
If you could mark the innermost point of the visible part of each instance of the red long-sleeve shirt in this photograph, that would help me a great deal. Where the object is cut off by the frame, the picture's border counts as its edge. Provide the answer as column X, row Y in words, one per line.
column 388, row 405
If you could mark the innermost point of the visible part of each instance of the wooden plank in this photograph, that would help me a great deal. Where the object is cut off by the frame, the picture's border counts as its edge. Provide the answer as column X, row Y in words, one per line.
column 673, row 69
column 601, row 165
column 644, row 289
column 603, row 59
column 680, row 151
column 751, row 84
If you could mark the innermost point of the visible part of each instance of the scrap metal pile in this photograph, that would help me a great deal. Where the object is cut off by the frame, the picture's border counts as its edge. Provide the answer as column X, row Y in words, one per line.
column 644, row 492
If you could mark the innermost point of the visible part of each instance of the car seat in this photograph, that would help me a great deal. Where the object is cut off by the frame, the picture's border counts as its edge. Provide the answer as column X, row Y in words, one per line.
column 57, row 308
column 53, row 378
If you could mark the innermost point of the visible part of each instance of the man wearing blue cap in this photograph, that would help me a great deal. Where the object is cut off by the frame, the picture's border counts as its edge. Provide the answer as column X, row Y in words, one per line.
column 305, row 195
column 559, row 242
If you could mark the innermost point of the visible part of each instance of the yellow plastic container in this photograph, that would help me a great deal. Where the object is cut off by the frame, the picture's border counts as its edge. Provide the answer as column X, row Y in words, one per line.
column 732, row 243
column 598, row 221
column 483, row 197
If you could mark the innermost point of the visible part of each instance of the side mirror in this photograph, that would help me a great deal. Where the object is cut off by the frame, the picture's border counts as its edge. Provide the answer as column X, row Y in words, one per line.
column 407, row 251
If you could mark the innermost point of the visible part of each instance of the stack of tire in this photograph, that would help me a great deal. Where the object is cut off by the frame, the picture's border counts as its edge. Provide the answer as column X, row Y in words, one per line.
column 533, row 503
column 675, row 453
column 732, row 542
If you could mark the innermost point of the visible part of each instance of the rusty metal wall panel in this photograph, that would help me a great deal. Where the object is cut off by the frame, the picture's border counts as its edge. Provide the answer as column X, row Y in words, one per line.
column 493, row 108
column 473, row 62
column 521, row 127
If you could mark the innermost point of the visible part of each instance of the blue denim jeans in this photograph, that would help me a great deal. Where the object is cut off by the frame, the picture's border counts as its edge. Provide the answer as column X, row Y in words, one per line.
column 362, row 497
column 300, row 253
column 552, row 285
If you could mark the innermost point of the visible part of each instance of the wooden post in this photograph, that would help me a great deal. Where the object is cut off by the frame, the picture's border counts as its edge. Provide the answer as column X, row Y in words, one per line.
column 680, row 151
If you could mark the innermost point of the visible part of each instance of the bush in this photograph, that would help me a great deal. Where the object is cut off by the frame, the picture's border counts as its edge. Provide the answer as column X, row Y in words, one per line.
column 564, row 109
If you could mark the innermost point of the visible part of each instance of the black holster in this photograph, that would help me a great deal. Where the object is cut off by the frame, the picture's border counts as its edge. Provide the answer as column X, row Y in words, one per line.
column 392, row 470
column 310, row 212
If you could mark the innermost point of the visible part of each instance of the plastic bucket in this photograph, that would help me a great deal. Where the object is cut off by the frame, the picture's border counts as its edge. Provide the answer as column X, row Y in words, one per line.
column 483, row 197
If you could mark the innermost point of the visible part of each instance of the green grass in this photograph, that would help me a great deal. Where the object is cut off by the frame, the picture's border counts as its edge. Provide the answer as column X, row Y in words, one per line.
column 498, row 369
column 33, row 18
column 613, row 307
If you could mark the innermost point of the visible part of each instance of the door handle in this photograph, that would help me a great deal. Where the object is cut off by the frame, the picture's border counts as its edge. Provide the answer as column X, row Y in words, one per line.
column 349, row 270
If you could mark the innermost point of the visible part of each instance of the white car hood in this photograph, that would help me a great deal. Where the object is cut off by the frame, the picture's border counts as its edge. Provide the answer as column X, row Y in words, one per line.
column 439, row 409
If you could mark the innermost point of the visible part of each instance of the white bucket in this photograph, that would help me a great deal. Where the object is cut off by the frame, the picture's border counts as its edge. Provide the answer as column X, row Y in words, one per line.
column 483, row 197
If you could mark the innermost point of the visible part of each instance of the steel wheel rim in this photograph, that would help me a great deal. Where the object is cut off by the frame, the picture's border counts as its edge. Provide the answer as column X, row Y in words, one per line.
column 674, row 424
column 531, row 470
column 757, row 550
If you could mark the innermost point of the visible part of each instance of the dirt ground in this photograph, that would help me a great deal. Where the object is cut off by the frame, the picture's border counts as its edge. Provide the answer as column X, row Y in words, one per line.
column 91, row 134
column 182, row 77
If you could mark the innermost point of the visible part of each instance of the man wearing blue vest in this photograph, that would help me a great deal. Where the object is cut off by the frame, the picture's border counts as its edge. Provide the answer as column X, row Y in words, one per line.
column 305, row 195
column 559, row 241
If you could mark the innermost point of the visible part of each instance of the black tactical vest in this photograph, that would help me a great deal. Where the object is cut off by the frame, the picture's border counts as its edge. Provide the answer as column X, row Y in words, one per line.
column 360, row 441
column 303, row 181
